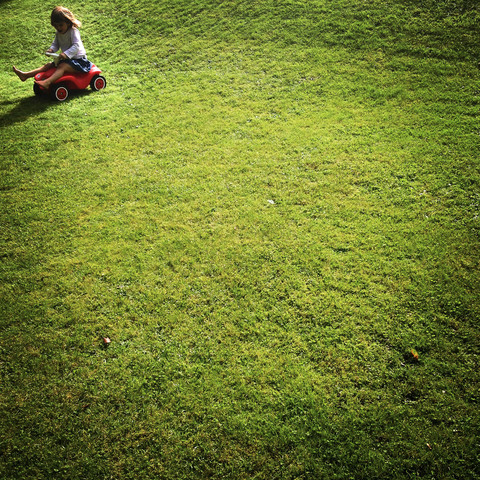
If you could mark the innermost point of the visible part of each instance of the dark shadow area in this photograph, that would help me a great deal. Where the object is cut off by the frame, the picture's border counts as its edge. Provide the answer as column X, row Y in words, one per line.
column 24, row 108
column 32, row 106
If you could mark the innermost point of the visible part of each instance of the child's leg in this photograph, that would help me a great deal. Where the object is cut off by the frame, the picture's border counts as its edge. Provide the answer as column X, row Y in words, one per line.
column 24, row 75
column 61, row 70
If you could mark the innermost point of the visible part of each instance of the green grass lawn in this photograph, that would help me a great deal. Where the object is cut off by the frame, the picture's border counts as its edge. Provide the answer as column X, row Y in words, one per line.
column 272, row 211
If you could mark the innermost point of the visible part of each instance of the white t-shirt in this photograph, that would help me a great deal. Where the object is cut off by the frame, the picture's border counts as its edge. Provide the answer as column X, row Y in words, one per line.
column 70, row 43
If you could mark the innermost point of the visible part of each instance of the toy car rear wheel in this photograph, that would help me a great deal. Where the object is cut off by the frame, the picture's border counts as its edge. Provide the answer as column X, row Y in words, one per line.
column 59, row 92
column 98, row 82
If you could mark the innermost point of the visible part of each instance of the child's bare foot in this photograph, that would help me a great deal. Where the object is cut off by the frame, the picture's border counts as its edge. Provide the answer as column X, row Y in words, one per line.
column 21, row 75
column 43, row 83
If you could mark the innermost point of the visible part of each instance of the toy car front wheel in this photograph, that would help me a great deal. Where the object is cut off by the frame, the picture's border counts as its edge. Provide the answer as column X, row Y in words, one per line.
column 36, row 89
column 98, row 82
column 59, row 92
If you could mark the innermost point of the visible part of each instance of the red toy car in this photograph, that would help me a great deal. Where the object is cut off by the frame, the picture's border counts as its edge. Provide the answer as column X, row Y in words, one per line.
column 71, row 81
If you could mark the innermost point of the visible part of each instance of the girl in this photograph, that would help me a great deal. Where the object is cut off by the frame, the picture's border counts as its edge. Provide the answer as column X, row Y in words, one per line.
column 73, row 57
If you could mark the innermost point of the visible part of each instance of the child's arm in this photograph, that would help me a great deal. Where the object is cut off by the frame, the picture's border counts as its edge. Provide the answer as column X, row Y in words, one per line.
column 76, row 42
column 54, row 46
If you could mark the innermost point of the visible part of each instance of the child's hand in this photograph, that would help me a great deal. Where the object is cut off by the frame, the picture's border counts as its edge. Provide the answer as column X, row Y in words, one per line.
column 49, row 51
column 63, row 56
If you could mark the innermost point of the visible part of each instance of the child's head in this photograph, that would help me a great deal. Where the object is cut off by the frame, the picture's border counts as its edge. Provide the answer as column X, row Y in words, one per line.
column 64, row 15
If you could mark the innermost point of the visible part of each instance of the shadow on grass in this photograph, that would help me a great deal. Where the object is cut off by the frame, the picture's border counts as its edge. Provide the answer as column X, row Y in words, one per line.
column 31, row 106
column 23, row 109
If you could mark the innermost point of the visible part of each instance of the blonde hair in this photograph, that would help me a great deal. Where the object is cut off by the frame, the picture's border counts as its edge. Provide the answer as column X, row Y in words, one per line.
column 62, row 14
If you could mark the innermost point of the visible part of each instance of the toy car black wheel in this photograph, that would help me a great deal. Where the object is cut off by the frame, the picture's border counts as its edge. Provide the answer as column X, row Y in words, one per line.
column 36, row 89
column 59, row 92
column 98, row 82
